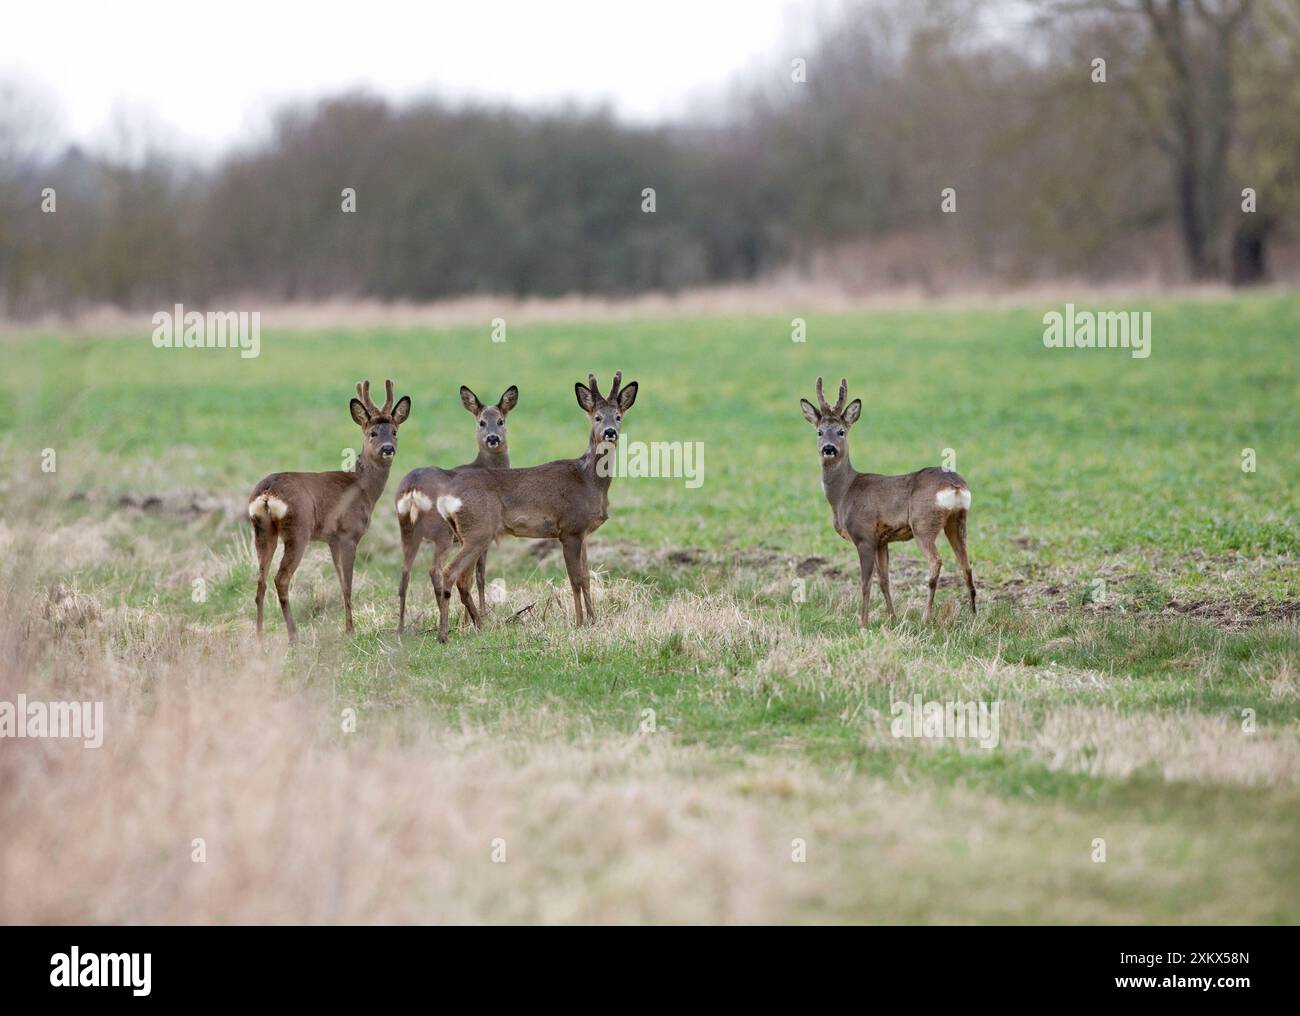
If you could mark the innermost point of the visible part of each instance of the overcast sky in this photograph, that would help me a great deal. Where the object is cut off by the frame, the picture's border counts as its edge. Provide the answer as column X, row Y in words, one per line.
column 207, row 74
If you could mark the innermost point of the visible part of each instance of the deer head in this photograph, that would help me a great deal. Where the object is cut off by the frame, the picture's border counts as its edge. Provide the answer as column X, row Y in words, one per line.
column 491, row 419
column 832, row 423
column 605, row 411
column 379, row 424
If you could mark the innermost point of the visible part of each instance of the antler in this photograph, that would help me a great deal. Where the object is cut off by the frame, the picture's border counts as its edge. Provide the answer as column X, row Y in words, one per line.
column 826, row 410
column 613, row 388
column 595, row 391
column 363, row 393
column 821, row 400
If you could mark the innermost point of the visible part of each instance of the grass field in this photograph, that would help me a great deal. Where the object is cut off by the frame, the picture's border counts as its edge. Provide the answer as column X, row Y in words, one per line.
column 1138, row 629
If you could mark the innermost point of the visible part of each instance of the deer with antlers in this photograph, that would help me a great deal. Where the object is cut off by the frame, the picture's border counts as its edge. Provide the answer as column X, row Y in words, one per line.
column 872, row 511
column 419, row 490
column 566, row 500
column 332, row 507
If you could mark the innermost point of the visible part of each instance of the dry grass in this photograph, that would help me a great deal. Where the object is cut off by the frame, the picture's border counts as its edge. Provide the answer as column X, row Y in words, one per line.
column 211, row 738
column 1178, row 746
column 901, row 658
column 304, row 823
column 784, row 294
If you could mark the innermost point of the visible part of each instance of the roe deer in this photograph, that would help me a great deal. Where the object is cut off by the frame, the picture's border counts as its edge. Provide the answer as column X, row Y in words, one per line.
column 331, row 507
column 565, row 500
column 419, row 490
column 871, row 511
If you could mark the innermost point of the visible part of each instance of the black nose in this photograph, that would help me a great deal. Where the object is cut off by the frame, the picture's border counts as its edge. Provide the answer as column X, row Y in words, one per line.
column 828, row 449
column 493, row 440
column 388, row 450
column 610, row 433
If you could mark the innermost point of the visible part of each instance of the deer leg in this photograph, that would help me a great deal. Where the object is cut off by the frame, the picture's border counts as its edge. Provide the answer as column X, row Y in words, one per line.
column 882, row 576
column 440, row 548
column 955, row 530
column 265, row 538
column 573, row 562
column 466, row 589
column 458, row 571
column 927, row 544
column 867, row 561
column 586, row 584
column 295, row 545
column 442, row 588
column 345, row 552
column 480, row 580
column 410, row 547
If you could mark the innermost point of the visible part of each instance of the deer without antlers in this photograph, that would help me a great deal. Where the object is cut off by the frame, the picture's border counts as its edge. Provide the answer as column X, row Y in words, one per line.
column 871, row 511
column 566, row 500
column 332, row 507
column 419, row 490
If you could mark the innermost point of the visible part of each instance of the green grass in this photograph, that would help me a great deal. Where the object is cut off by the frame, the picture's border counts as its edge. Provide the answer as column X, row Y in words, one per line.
column 1138, row 589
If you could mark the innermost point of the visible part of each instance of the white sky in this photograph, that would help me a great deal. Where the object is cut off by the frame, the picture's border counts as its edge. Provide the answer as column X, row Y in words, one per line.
column 206, row 74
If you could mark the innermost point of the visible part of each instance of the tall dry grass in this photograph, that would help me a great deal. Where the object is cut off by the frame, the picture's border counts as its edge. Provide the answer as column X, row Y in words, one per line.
column 303, row 822
column 216, row 741
column 227, row 790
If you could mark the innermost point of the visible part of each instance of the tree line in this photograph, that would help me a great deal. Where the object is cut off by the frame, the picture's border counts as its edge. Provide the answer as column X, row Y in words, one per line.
column 899, row 143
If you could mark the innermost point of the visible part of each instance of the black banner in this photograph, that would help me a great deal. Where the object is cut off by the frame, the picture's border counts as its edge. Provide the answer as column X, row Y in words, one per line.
column 137, row 965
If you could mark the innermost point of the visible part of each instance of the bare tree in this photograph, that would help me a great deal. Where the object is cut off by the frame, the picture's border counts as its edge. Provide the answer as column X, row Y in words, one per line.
column 1189, row 106
column 1266, row 148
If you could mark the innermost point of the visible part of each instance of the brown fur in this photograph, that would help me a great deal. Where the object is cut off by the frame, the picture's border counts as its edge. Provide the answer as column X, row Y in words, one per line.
column 871, row 511
column 493, row 453
column 567, row 500
column 331, row 507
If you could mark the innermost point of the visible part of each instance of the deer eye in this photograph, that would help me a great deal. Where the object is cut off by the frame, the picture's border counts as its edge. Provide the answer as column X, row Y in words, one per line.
column 841, row 433
column 482, row 423
column 617, row 419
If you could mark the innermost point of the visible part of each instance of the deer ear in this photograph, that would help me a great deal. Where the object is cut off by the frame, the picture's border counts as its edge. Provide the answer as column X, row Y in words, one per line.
column 470, row 401
column 509, row 399
column 359, row 413
column 810, row 412
column 627, row 396
column 852, row 412
column 585, row 400
column 402, row 410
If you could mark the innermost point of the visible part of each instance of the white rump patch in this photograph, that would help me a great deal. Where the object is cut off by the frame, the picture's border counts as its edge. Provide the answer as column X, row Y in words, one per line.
column 412, row 503
column 448, row 505
column 267, row 505
column 953, row 497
